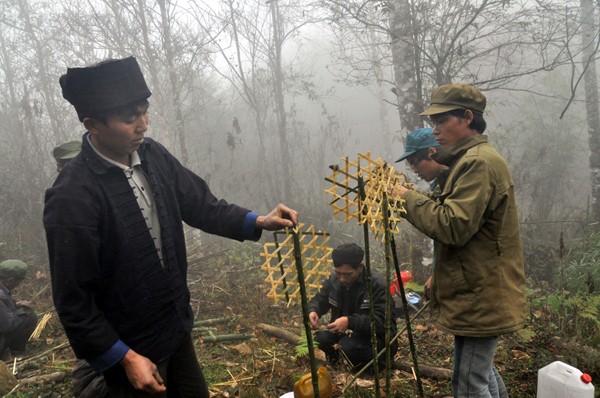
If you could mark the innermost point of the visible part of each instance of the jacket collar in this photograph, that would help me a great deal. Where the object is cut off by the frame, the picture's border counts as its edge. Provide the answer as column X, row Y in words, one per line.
column 96, row 163
column 448, row 156
column 4, row 289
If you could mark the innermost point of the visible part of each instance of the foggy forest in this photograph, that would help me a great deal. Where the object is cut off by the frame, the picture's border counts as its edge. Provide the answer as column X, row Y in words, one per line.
column 259, row 98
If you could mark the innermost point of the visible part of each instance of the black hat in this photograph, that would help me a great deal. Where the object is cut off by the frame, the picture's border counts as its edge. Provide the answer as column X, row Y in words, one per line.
column 348, row 253
column 104, row 86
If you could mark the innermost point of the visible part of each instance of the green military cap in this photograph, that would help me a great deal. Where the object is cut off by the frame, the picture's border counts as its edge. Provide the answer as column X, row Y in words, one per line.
column 455, row 96
column 13, row 269
column 66, row 151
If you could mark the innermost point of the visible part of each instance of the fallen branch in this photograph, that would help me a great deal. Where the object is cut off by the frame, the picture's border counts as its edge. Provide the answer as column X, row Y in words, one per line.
column 22, row 361
column 225, row 337
column 430, row 372
column 214, row 321
column 274, row 331
column 56, row 376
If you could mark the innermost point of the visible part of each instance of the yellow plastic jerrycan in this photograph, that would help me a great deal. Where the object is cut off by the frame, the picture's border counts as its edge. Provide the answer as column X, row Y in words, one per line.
column 303, row 388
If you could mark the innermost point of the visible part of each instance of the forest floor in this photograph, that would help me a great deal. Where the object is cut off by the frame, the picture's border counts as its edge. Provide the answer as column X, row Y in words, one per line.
column 231, row 284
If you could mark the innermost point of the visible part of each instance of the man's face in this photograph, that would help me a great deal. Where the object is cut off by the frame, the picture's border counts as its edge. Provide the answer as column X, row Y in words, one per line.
column 449, row 129
column 347, row 275
column 121, row 135
column 427, row 169
column 11, row 283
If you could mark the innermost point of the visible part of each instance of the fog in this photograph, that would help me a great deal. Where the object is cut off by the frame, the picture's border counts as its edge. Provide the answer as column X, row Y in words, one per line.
column 216, row 76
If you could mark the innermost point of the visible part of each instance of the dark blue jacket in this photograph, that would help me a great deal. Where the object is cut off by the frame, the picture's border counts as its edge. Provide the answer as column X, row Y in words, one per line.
column 11, row 316
column 107, row 279
column 336, row 298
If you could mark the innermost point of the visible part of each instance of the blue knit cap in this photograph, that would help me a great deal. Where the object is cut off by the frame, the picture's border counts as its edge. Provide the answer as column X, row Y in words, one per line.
column 417, row 140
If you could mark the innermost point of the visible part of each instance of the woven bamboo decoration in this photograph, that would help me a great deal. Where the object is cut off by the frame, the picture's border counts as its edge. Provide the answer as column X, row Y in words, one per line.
column 378, row 177
column 281, row 268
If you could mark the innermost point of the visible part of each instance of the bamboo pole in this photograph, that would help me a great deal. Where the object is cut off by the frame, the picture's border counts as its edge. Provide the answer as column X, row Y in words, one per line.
column 309, row 337
column 413, row 350
column 388, row 276
column 214, row 321
column 361, row 187
column 225, row 337
column 380, row 353
column 274, row 331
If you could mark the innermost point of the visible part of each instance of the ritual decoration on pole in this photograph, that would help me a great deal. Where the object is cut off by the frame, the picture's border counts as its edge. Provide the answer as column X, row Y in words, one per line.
column 360, row 191
column 302, row 259
column 378, row 177
column 281, row 267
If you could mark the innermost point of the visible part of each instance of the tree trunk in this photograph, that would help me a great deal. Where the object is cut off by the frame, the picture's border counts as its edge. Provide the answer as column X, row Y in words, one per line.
column 45, row 81
column 277, row 72
column 405, row 73
column 175, row 87
column 589, row 29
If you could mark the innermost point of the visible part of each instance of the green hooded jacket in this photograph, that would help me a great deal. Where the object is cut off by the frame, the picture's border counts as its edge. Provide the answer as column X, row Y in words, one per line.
column 478, row 286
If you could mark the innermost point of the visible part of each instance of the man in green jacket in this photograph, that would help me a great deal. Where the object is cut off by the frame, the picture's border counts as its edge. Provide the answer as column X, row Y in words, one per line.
column 478, row 288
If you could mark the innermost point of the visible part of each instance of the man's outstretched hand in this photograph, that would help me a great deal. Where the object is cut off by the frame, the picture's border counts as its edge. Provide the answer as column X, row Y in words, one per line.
column 281, row 217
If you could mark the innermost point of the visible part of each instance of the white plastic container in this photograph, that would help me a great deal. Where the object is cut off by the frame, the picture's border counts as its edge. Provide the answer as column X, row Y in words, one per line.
column 559, row 380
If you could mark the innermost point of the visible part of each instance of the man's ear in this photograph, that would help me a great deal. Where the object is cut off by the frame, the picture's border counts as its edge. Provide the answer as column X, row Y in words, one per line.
column 469, row 116
column 91, row 125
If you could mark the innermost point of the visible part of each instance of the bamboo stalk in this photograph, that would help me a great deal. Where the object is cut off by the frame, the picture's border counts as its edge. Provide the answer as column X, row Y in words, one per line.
column 380, row 353
column 274, row 331
column 413, row 350
column 388, row 276
column 23, row 361
column 42, row 290
column 361, row 187
column 309, row 338
column 214, row 321
column 225, row 337
column 56, row 376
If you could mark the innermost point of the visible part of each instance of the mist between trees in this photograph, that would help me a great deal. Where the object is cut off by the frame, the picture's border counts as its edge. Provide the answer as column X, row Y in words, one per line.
column 259, row 97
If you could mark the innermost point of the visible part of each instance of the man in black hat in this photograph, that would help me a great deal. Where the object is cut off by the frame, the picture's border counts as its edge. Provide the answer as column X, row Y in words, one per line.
column 346, row 294
column 113, row 222
column 478, row 285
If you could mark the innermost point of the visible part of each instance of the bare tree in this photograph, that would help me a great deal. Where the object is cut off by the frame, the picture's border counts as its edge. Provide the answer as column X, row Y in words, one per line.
column 590, row 42
column 489, row 43
column 251, row 45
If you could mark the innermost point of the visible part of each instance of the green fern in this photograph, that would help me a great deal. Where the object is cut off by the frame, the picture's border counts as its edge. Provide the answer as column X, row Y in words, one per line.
column 302, row 345
column 591, row 309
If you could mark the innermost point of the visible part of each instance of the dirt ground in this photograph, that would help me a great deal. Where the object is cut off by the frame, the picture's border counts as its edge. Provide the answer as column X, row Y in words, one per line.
column 230, row 284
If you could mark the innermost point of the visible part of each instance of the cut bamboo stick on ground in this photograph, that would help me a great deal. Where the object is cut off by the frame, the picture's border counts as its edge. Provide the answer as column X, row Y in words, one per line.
column 214, row 321
column 225, row 337
column 275, row 331
column 56, row 376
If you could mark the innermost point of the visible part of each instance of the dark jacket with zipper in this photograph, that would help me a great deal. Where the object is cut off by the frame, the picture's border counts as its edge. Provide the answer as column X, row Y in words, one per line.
column 353, row 302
